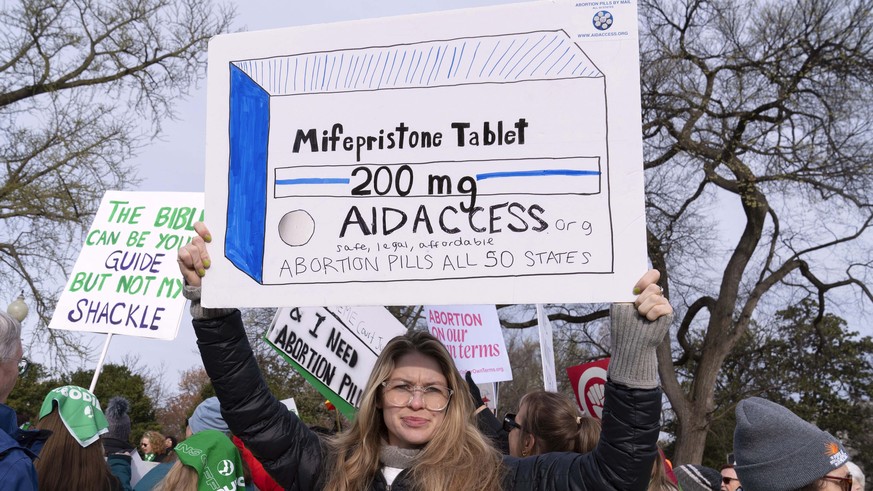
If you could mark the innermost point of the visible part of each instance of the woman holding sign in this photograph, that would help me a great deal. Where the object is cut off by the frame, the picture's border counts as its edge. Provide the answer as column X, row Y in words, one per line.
column 415, row 428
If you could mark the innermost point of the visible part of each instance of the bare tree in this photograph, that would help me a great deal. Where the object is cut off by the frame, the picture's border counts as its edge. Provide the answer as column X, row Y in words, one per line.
column 755, row 113
column 84, row 84
column 759, row 163
column 172, row 412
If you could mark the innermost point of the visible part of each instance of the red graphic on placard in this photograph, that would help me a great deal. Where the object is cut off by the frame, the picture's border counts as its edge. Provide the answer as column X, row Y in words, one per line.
column 589, row 381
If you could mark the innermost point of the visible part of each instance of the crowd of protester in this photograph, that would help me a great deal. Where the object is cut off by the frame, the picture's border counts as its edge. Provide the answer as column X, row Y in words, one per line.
column 419, row 426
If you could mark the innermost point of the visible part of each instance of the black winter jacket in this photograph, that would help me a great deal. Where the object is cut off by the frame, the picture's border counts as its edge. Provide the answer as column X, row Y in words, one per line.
column 295, row 457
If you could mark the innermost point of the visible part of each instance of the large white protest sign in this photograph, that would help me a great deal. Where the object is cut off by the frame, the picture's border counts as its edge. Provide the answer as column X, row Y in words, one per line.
column 334, row 348
column 473, row 337
column 126, row 280
column 465, row 157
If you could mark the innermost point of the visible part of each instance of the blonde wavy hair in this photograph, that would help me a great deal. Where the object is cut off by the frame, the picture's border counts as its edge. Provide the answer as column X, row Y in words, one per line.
column 179, row 478
column 457, row 457
column 659, row 480
column 157, row 440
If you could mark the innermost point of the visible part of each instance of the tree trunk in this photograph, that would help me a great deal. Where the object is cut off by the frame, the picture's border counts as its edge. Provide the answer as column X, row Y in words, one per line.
column 691, row 437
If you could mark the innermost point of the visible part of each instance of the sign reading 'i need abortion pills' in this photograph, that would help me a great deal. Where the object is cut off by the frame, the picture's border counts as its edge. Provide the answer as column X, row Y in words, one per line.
column 480, row 156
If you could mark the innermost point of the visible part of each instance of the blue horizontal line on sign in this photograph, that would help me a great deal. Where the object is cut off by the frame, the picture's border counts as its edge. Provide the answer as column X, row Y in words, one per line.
column 312, row 180
column 573, row 175
column 537, row 173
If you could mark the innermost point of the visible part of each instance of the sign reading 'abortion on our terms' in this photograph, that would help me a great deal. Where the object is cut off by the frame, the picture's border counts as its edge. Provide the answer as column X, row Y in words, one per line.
column 463, row 157
column 334, row 348
column 473, row 337
column 126, row 280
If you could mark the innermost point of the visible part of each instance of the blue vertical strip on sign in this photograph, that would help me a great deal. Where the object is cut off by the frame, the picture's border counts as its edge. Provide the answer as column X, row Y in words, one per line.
column 247, row 179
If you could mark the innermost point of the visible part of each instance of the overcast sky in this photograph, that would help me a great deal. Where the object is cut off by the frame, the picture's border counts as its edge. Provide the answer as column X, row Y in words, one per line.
column 176, row 162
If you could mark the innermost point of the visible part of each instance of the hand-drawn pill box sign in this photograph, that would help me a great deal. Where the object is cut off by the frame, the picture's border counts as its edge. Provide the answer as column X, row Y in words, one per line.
column 423, row 163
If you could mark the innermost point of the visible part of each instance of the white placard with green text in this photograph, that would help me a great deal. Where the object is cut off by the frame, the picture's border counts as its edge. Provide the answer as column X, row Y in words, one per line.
column 126, row 280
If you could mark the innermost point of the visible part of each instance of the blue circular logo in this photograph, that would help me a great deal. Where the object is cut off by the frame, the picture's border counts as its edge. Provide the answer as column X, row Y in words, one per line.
column 602, row 20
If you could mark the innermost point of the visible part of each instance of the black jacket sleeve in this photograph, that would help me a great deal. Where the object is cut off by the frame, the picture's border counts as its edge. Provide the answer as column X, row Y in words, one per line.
column 492, row 429
column 290, row 452
column 622, row 460
column 487, row 423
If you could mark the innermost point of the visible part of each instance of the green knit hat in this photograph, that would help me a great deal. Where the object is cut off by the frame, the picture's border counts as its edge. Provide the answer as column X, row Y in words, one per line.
column 79, row 410
column 215, row 458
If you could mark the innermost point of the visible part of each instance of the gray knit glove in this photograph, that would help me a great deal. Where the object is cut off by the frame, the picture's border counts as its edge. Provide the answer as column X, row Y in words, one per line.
column 634, row 340
column 199, row 312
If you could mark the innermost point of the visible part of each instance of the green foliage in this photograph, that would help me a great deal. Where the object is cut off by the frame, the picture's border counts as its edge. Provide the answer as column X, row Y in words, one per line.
column 119, row 380
column 280, row 377
column 820, row 370
column 116, row 380
column 26, row 398
column 206, row 392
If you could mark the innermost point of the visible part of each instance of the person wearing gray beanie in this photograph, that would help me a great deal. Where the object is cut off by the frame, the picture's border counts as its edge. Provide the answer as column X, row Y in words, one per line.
column 775, row 450
column 207, row 416
column 698, row 478
column 117, row 439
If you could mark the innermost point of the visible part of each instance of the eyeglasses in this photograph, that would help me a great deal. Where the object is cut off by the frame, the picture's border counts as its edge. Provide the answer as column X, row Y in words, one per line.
column 510, row 424
column 144, row 444
column 727, row 480
column 23, row 365
column 844, row 482
column 401, row 394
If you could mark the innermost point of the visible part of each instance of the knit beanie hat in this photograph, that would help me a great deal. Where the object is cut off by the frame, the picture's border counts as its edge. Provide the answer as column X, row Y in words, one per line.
column 119, row 421
column 698, row 478
column 215, row 458
column 207, row 416
column 775, row 450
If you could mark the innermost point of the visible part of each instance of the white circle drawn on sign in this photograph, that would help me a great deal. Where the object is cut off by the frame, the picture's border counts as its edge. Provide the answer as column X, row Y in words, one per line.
column 296, row 228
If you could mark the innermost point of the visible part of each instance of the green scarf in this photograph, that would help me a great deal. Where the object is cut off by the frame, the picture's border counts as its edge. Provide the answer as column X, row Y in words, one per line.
column 79, row 410
column 216, row 460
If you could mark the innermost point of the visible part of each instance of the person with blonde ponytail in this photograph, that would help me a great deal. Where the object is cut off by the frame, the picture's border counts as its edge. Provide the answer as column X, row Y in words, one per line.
column 207, row 461
column 416, row 424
